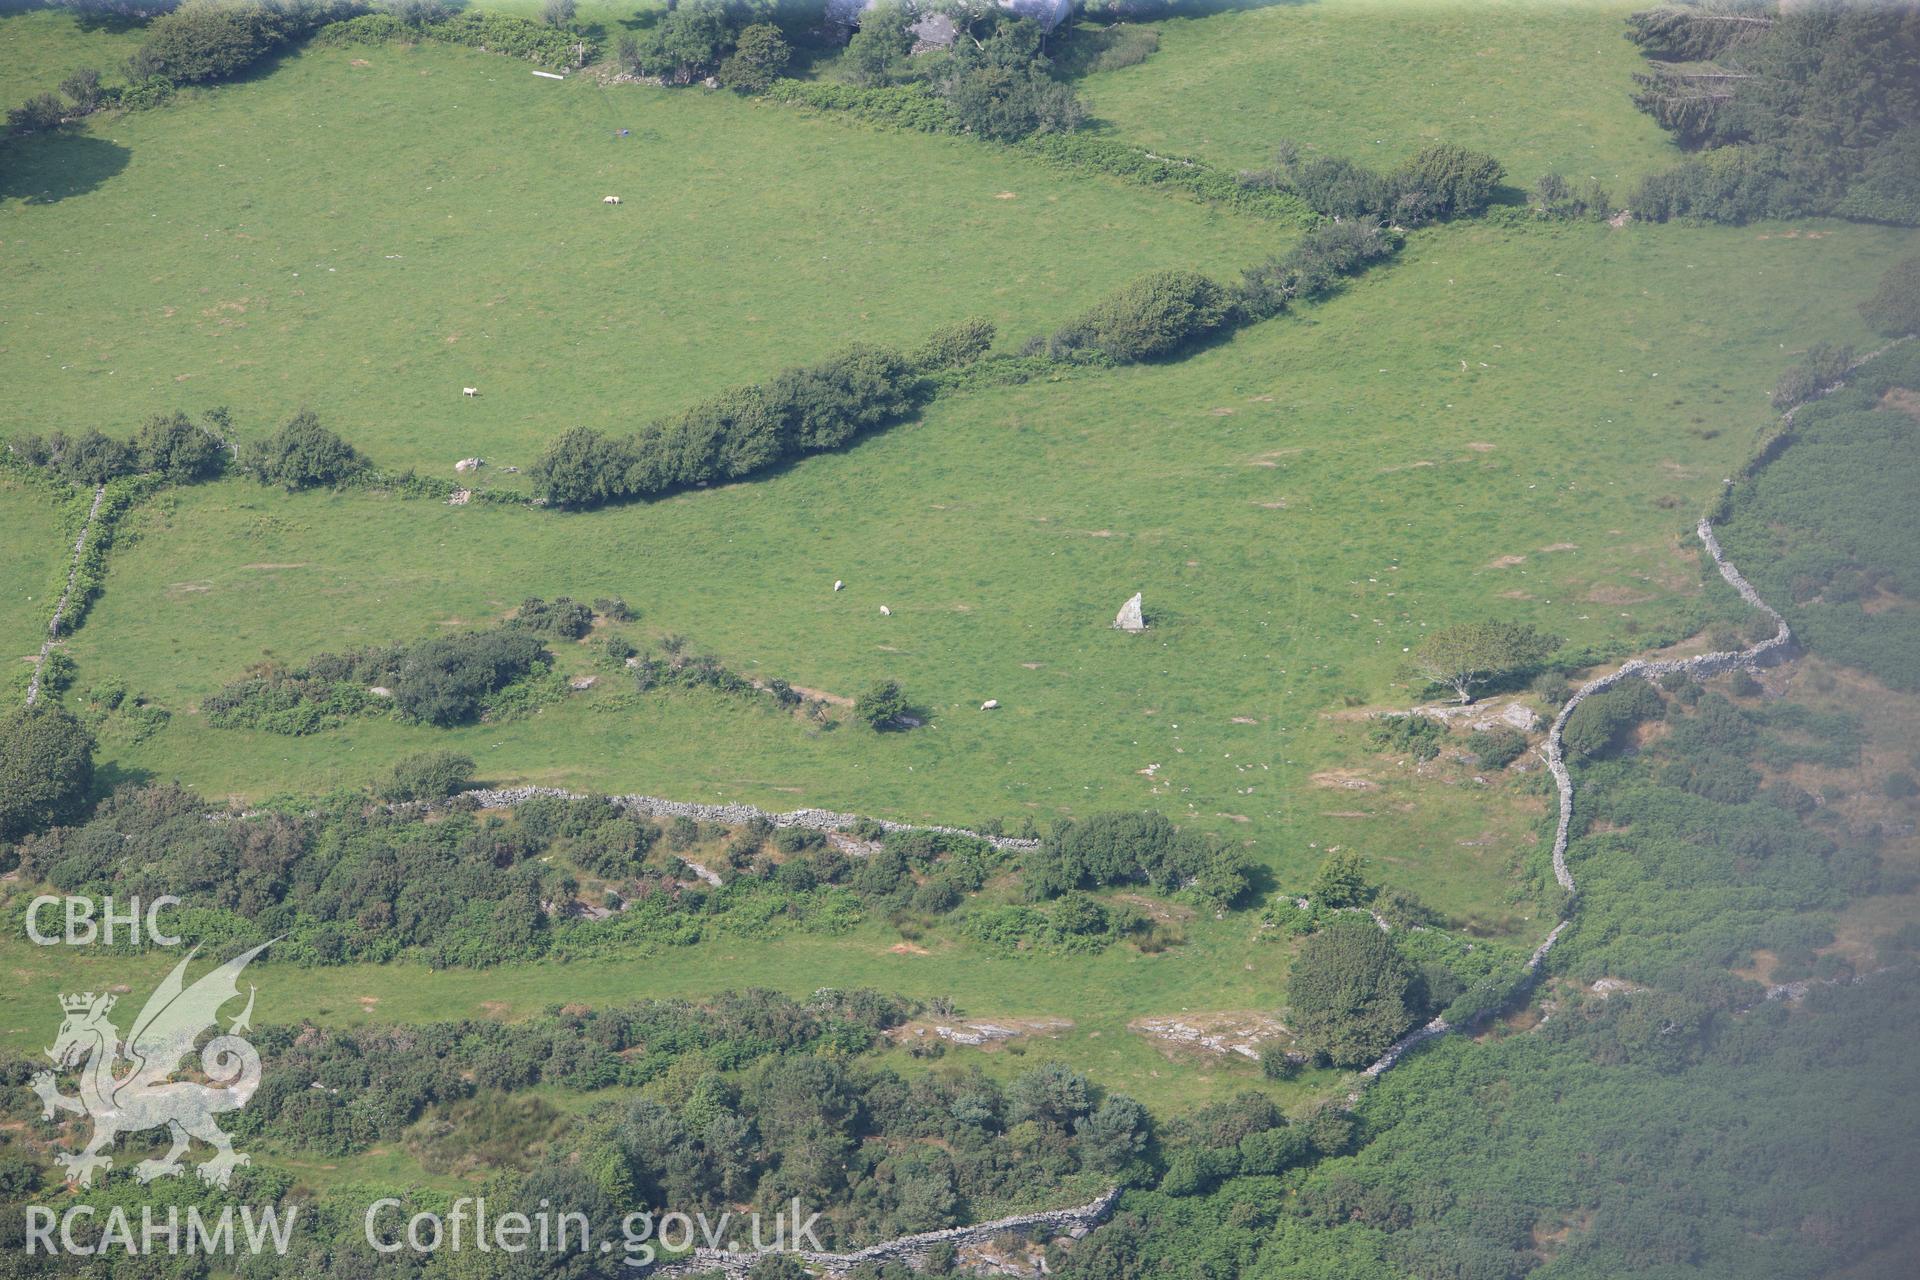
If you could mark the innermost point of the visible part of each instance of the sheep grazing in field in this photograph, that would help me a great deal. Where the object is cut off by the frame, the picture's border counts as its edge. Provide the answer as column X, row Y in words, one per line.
column 469, row 392
column 839, row 585
column 609, row 199
column 885, row 612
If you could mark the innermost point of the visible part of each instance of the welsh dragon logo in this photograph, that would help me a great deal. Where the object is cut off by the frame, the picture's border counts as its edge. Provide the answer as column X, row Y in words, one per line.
column 143, row 1095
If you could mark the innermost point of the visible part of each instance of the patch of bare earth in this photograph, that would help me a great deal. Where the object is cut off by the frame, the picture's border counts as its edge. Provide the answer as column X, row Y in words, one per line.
column 1346, row 779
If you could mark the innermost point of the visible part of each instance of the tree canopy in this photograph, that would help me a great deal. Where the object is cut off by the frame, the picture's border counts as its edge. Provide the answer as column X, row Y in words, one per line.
column 1469, row 654
column 46, row 769
column 1350, row 992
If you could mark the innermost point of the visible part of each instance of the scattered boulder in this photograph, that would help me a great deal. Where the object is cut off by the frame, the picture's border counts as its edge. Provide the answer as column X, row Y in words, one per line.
column 467, row 464
column 381, row 691
column 460, row 497
column 1130, row 617
column 583, row 682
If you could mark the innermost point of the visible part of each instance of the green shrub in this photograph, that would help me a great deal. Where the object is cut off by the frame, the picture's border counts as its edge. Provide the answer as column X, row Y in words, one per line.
column 562, row 616
column 443, row 680
column 881, row 706
column 172, row 446
column 1497, row 748
column 803, row 410
column 46, row 769
column 41, row 113
column 1420, row 736
column 955, row 345
column 1315, row 264
column 1152, row 317
column 302, row 454
column 760, row 54
column 430, row 775
column 199, row 43
column 1822, row 367
column 1601, row 722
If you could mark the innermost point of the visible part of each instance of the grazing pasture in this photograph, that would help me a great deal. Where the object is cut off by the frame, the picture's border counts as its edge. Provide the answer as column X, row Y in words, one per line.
column 1511, row 420
column 1542, row 85
column 1297, row 506
column 368, row 231
column 32, row 559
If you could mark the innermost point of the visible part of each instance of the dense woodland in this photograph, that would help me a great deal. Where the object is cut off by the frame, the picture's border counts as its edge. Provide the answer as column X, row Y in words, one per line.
column 1789, row 109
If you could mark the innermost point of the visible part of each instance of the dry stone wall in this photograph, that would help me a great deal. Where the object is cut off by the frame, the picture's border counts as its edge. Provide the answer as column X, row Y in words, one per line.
column 911, row 1250
column 66, row 597
column 735, row 815
column 1706, row 665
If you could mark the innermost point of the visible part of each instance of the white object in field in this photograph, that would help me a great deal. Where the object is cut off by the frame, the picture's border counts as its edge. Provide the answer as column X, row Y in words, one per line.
column 838, row 585
column 991, row 704
column 467, row 464
column 549, row 75
column 469, row 391
column 1130, row 618
column 609, row 199
column 885, row 612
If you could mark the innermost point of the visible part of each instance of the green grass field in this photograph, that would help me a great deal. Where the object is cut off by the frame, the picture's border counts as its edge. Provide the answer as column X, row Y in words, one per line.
column 1296, row 505
column 368, row 231
column 31, row 557
column 1542, row 84
column 41, row 47
column 1511, row 421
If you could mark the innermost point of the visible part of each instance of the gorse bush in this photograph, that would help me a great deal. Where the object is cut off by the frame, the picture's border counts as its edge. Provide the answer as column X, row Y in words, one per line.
column 542, row 43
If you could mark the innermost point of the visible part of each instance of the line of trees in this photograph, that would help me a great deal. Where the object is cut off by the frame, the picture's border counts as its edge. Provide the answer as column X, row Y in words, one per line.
column 1440, row 181
column 804, row 410
column 170, row 445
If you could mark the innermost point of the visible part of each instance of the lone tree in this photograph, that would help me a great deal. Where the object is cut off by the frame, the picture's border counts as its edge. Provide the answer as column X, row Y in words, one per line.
column 1468, row 654
column 882, row 706
column 1350, row 993
column 46, row 769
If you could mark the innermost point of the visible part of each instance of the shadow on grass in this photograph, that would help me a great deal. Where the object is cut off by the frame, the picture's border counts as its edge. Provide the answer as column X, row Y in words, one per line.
column 110, row 776
column 48, row 168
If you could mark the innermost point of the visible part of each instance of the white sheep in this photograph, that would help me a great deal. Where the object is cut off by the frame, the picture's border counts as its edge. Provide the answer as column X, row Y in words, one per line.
column 885, row 612
column 469, row 392
column 838, row 585
column 609, row 199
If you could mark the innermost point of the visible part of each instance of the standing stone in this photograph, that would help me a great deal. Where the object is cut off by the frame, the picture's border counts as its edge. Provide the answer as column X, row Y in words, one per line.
column 1130, row 618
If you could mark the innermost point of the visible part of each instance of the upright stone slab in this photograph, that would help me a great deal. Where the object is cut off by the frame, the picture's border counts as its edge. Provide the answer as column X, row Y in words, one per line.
column 1130, row 617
